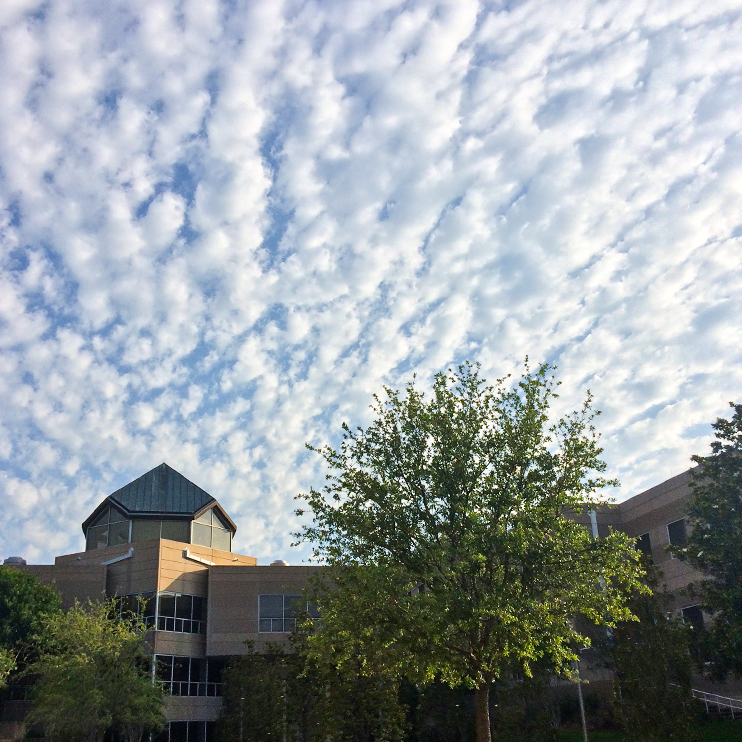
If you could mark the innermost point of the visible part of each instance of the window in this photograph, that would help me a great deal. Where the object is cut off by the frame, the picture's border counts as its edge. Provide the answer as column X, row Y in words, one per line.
column 644, row 544
column 181, row 613
column 188, row 731
column 676, row 532
column 142, row 606
column 189, row 676
column 693, row 615
column 278, row 613
column 110, row 528
column 147, row 530
column 210, row 530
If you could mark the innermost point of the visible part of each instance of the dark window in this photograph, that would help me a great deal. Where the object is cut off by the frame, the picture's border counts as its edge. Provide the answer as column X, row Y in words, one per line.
column 198, row 608
column 178, row 731
column 181, row 669
column 676, row 532
column 97, row 538
column 177, row 530
column 278, row 613
column 167, row 605
column 215, row 668
column 118, row 533
column 693, row 615
column 184, row 606
column 110, row 528
column 145, row 530
column 180, row 613
column 644, row 545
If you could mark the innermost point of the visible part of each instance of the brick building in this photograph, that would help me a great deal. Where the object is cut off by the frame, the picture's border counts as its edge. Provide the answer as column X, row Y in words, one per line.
column 165, row 539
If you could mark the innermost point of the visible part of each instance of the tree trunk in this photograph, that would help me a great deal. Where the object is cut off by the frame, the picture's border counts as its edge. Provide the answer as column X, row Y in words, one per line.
column 482, row 713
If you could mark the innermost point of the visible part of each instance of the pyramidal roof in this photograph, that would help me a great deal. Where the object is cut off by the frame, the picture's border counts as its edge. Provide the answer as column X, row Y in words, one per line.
column 161, row 491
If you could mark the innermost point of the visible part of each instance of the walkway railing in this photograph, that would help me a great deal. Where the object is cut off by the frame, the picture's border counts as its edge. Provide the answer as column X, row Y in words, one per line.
column 722, row 703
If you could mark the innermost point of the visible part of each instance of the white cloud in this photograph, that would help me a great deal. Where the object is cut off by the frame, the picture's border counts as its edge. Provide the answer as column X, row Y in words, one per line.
column 223, row 228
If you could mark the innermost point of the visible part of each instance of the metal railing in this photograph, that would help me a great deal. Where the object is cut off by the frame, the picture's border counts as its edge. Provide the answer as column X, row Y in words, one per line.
column 180, row 625
column 722, row 703
column 185, row 688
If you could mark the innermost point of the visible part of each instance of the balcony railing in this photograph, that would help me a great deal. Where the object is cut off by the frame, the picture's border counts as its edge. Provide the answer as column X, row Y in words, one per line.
column 184, row 688
column 179, row 625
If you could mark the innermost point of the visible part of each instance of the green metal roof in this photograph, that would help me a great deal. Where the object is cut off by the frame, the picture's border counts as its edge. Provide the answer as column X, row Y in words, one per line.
column 161, row 491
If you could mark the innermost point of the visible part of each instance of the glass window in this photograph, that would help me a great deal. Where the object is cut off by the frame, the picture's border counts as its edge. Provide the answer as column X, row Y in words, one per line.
column 693, row 615
column 164, row 667
column 292, row 605
column 118, row 533
column 205, row 518
column 198, row 608
column 271, row 606
column 676, row 532
column 180, row 669
column 221, row 539
column 167, row 605
column 101, row 519
column 184, row 606
column 177, row 530
column 217, row 521
column 201, row 534
column 313, row 610
column 214, row 669
column 145, row 530
column 178, row 731
column 644, row 545
column 116, row 516
column 97, row 537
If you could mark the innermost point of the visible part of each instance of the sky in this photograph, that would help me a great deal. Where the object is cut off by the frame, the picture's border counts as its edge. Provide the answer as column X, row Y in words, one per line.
column 225, row 225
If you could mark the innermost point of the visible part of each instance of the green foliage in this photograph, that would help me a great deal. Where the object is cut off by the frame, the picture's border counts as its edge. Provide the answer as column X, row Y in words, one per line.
column 652, row 661
column 24, row 604
column 280, row 695
column 714, row 545
column 438, row 713
column 446, row 529
column 7, row 664
column 93, row 674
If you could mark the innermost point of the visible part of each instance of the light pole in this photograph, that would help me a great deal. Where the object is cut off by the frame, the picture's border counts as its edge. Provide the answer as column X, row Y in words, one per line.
column 242, row 701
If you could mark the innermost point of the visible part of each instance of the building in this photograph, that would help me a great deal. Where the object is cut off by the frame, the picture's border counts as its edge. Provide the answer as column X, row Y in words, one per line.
column 165, row 539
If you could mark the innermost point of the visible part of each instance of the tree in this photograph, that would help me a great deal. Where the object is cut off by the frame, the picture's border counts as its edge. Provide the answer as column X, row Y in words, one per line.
column 446, row 530
column 24, row 604
column 652, row 661
column 7, row 665
column 714, row 545
column 284, row 695
column 93, row 674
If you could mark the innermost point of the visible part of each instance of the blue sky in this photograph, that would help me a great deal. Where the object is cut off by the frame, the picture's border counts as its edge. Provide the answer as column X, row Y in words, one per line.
column 225, row 225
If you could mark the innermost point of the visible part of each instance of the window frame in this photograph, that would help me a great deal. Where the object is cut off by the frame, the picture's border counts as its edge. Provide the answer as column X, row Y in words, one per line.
column 289, row 615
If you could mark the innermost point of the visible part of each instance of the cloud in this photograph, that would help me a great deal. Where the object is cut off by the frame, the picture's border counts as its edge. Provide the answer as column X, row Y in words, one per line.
column 223, row 227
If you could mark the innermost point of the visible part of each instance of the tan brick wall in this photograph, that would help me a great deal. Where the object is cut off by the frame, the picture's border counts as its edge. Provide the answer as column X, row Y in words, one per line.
column 233, row 604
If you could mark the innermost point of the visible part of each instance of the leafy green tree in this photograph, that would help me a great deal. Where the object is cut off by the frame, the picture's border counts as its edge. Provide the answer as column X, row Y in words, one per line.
column 446, row 530
column 652, row 661
column 714, row 545
column 283, row 695
column 24, row 604
column 93, row 674
column 7, row 665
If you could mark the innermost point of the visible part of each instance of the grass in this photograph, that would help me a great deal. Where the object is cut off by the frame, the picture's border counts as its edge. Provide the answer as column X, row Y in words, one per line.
column 716, row 731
